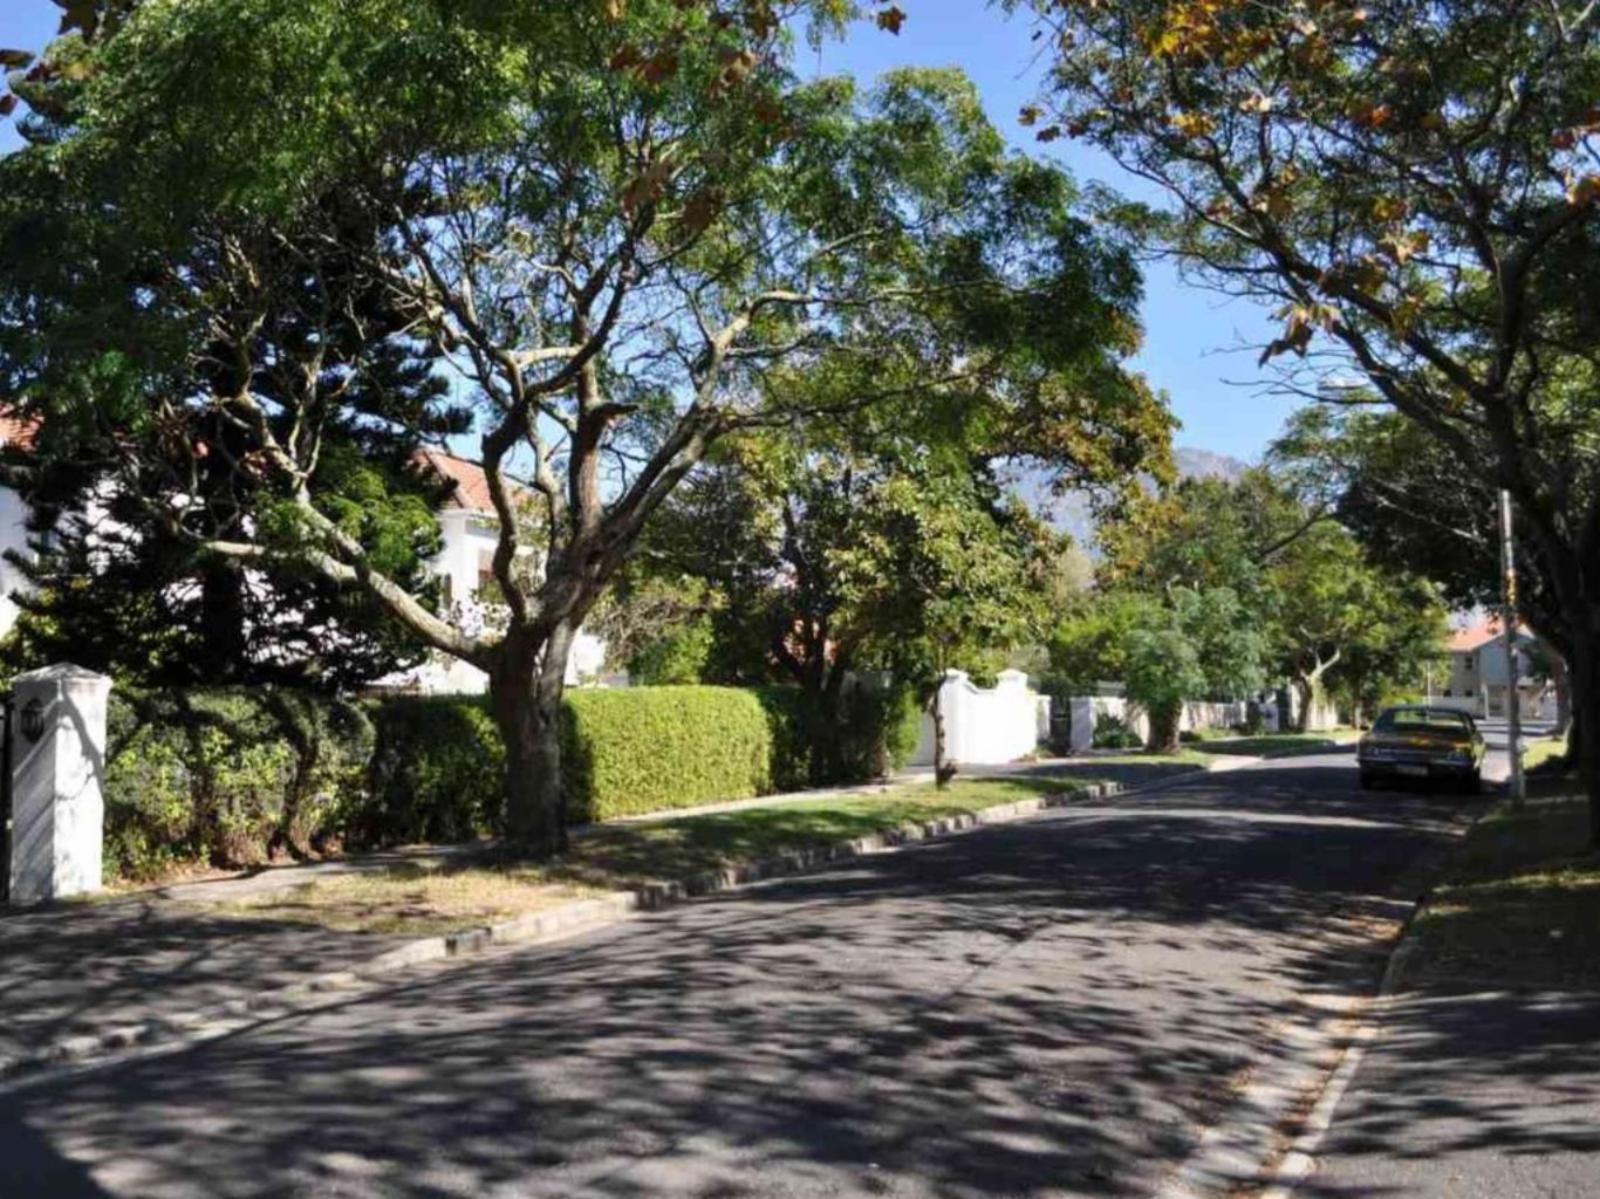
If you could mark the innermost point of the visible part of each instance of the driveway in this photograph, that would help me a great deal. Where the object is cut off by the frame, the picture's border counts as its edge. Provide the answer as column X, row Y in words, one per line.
column 1055, row 1007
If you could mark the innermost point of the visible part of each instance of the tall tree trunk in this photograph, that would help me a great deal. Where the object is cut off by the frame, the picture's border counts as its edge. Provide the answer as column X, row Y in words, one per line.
column 943, row 771
column 1164, row 722
column 526, row 688
column 1305, row 689
column 1562, row 677
column 1586, row 723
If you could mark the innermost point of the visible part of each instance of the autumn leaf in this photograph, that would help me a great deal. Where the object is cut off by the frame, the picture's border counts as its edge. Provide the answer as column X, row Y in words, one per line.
column 701, row 210
column 1583, row 190
column 615, row 9
column 1193, row 124
column 1030, row 114
column 1564, row 139
column 15, row 59
column 659, row 67
column 8, row 105
column 1049, row 133
column 892, row 18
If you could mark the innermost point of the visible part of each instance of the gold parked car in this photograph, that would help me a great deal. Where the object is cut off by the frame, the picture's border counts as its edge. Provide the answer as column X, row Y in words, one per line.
column 1419, row 742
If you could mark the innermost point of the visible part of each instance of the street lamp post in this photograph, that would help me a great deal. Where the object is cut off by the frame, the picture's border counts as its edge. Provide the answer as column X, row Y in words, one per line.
column 1508, row 566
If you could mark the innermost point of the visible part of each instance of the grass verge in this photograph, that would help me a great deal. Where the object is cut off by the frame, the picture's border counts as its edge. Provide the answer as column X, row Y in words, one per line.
column 427, row 900
column 1521, row 906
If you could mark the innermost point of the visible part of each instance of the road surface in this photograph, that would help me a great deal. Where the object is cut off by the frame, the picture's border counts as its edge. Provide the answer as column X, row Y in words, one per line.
column 1055, row 1007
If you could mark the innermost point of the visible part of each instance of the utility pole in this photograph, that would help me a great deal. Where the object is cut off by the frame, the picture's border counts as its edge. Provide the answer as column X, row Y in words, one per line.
column 1508, row 566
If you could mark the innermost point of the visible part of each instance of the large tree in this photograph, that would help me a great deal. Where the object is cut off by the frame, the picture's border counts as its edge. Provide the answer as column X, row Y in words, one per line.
column 1413, row 507
column 610, row 221
column 1415, row 185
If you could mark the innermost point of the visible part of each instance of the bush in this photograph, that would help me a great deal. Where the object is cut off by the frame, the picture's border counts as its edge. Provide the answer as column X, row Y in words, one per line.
column 437, row 772
column 649, row 749
column 236, row 777
column 1189, row 737
column 231, row 777
column 1112, row 732
column 876, row 732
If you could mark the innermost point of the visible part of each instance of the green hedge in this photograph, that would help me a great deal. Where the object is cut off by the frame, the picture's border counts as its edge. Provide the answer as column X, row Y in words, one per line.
column 236, row 777
column 227, row 776
column 649, row 749
column 436, row 772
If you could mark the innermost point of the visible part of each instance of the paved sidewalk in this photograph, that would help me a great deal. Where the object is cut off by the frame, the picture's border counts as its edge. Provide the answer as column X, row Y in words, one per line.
column 1471, row 1094
column 82, row 968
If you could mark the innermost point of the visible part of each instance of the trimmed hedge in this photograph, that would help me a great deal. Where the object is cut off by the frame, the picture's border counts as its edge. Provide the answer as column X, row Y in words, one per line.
column 237, row 777
column 650, row 749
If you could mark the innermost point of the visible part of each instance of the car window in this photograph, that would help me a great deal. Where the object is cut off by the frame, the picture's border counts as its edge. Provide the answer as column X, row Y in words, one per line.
column 1418, row 720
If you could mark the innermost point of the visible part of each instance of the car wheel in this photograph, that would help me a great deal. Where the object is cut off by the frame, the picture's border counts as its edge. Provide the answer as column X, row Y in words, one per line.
column 1474, row 783
column 1368, row 781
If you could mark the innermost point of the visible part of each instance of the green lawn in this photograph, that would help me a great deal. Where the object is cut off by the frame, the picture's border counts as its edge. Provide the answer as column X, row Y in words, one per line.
column 425, row 900
column 1543, row 750
column 1521, row 906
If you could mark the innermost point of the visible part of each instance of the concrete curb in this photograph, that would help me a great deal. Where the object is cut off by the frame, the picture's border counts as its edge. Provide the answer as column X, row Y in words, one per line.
column 567, row 920
column 1300, row 1160
column 1241, row 1156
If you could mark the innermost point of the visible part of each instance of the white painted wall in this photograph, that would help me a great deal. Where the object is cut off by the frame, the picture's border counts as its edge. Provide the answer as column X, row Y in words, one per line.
column 13, row 536
column 1086, row 711
column 984, row 728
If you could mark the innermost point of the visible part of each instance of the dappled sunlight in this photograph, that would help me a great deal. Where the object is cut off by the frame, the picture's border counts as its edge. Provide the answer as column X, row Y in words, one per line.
column 1056, row 1006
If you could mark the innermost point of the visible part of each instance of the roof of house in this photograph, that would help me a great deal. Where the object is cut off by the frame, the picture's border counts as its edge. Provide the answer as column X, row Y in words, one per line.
column 469, row 485
column 17, row 431
column 1478, row 634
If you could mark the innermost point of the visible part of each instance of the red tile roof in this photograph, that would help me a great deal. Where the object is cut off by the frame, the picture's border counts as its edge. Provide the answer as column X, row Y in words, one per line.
column 469, row 490
column 18, row 431
column 1477, row 634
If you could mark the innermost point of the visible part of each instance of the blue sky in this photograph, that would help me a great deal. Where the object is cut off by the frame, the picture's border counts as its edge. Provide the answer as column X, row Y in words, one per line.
column 1192, row 336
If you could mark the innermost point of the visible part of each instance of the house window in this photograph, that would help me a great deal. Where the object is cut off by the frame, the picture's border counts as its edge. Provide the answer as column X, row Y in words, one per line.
column 1467, row 693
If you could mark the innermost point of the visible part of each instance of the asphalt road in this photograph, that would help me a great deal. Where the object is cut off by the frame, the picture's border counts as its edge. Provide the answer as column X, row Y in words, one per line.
column 1053, row 1007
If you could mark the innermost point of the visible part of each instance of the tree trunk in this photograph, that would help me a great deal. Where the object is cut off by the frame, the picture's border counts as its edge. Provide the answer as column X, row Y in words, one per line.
column 1305, row 688
column 1586, row 724
column 1562, row 677
column 526, row 688
column 1164, row 722
column 943, row 771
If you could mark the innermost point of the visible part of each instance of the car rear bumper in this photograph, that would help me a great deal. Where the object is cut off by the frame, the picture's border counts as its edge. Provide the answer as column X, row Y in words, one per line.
column 1388, row 768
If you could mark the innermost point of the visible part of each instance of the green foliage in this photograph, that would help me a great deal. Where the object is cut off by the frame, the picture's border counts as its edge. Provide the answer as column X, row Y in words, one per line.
column 437, row 772
column 1112, row 732
column 679, row 657
column 648, row 749
column 229, row 777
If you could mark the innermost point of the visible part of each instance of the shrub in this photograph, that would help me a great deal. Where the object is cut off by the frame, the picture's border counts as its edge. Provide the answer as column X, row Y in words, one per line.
column 234, row 777
column 1112, row 732
column 649, row 749
column 1189, row 737
column 436, row 773
column 226, row 776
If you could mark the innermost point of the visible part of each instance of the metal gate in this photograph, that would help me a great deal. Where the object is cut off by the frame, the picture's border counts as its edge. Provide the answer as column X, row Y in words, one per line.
column 5, row 798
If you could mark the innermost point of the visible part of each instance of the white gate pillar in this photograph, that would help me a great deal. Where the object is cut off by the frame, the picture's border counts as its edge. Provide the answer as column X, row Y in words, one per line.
column 58, row 754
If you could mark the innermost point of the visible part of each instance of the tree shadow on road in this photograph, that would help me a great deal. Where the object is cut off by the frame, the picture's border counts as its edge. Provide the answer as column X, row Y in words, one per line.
column 1052, row 1007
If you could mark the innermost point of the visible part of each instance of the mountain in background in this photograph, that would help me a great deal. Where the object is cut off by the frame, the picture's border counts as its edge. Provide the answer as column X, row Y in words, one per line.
column 1070, row 513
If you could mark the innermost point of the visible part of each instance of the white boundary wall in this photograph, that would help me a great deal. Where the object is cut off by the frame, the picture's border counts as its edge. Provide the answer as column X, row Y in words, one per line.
column 986, row 728
column 1197, row 714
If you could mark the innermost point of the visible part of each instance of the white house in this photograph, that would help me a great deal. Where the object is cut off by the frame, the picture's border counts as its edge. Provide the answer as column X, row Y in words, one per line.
column 1477, row 679
column 470, row 530
column 13, row 525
